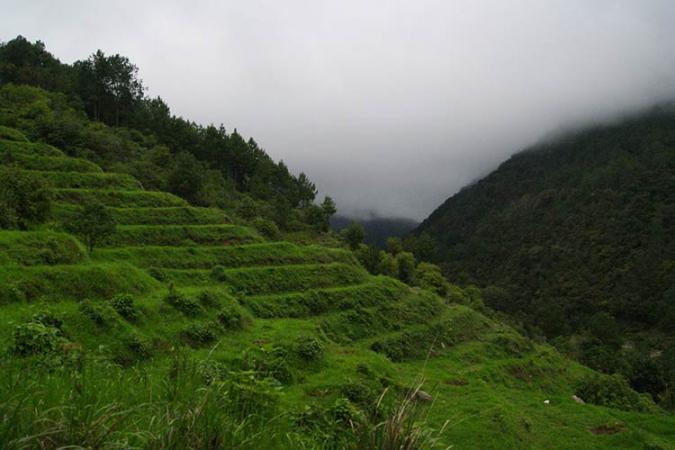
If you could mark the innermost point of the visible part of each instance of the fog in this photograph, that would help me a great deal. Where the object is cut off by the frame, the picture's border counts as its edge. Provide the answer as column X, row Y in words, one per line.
column 389, row 106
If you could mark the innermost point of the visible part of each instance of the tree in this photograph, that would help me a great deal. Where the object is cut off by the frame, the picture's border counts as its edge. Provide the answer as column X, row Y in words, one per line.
column 353, row 235
column 394, row 245
column 24, row 199
column 405, row 262
column 93, row 223
column 109, row 86
column 428, row 276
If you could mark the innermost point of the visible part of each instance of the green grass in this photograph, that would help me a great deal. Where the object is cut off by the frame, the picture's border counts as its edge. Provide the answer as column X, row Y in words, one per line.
column 268, row 279
column 117, row 198
column 12, row 134
column 171, row 215
column 55, row 283
column 268, row 253
column 375, row 292
column 88, row 180
column 142, row 235
column 8, row 148
column 40, row 247
column 50, row 163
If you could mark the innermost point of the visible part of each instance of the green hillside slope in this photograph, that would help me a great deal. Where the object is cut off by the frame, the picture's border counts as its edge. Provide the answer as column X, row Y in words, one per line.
column 185, row 330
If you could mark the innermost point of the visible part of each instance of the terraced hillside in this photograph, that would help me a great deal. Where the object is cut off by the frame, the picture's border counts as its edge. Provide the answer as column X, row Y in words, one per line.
column 187, row 330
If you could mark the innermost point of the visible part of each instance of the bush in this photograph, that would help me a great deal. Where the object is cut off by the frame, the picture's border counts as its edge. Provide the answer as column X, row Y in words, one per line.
column 428, row 276
column 231, row 317
column 612, row 391
column 47, row 319
column 208, row 299
column 24, row 199
column 35, row 339
column 200, row 334
column 124, row 305
column 309, row 348
column 183, row 303
column 267, row 228
column 96, row 313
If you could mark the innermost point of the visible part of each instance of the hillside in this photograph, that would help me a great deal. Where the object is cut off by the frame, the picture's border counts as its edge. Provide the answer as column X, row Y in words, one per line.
column 575, row 238
column 165, row 285
column 183, row 329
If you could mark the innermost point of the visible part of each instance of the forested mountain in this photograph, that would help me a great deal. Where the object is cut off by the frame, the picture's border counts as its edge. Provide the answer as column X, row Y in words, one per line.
column 574, row 237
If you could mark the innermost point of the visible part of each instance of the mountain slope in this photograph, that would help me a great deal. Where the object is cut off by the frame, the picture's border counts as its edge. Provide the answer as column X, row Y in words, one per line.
column 187, row 330
column 577, row 236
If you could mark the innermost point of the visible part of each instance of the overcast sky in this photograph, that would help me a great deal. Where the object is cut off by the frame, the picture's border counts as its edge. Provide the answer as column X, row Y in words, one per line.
column 389, row 106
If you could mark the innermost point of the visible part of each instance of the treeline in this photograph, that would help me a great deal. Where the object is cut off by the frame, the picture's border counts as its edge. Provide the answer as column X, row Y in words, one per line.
column 97, row 108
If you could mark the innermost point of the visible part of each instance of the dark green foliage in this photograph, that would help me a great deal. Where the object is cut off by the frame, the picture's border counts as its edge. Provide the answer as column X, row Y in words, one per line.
column 309, row 348
column 183, row 303
column 612, row 391
column 232, row 317
column 428, row 276
column 124, row 305
column 267, row 228
column 96, row 312
column 200, row 334
column 24, row 199
column 570, row 228
column 35, row 339
column 405, row 263
column 93, row 223
column 47, row 319
column 353, row 235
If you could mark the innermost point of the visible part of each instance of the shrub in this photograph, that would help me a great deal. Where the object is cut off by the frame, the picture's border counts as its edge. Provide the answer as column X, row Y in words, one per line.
column 47, row 319
column 232, row 317
column 428, row 276
column 35, row 339
column 200, row 334
column 308, row 348
column 612, row 391
column 24, row 199
column 218, row 273
column 95, row 312
column 124, row 305
column 209, row 299
column 93, row 223
column 267, row 228
column 183, row 303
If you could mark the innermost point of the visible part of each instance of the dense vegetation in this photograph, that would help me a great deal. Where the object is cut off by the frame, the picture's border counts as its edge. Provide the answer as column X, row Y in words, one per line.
column 137, row 318
column 576, row 238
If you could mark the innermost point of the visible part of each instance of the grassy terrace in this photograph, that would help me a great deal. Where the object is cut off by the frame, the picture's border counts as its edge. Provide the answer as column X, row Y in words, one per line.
column 88, row 180
column 117, row 198
column 207, row 257
column 171, row 215
column 176, row 235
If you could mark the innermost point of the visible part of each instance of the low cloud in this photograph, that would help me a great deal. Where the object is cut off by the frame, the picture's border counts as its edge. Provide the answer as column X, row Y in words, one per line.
column 388, row 106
